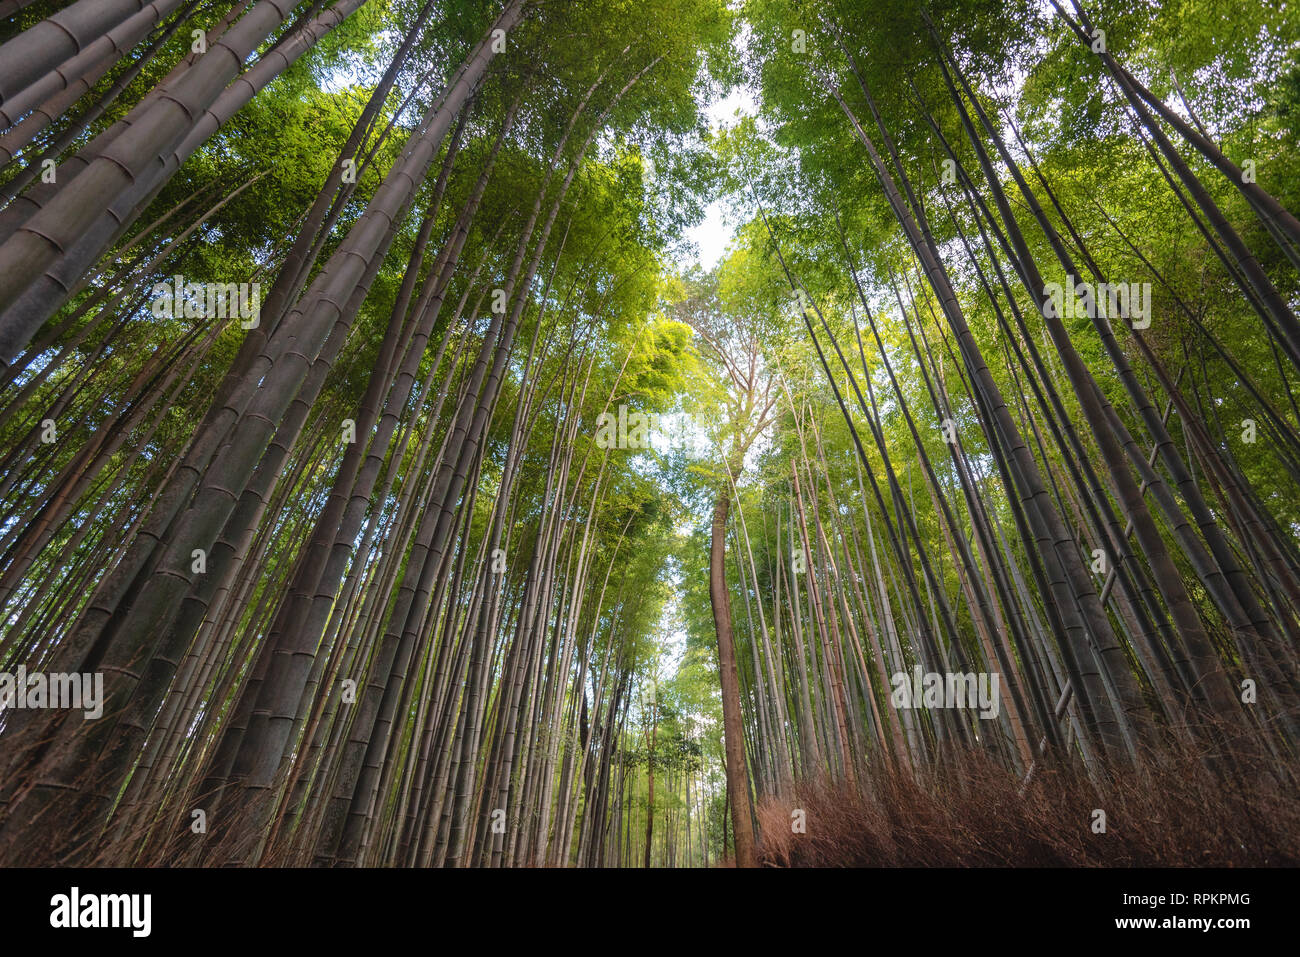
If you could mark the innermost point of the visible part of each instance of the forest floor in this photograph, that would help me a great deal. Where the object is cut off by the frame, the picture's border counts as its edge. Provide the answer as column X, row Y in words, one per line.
column 1176, row 814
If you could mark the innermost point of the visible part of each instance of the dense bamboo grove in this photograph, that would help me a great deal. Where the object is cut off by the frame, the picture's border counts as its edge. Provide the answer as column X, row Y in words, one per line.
column 364, row 434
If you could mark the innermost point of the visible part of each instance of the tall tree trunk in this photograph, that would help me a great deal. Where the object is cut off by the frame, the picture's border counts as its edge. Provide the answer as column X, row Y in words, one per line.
column 732, row 720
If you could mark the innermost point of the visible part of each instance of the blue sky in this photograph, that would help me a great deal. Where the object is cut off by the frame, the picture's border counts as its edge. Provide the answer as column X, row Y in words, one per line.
column 713, row 233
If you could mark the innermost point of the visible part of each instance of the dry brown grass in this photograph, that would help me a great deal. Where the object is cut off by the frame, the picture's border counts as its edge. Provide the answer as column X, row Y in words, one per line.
column 971, row 813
